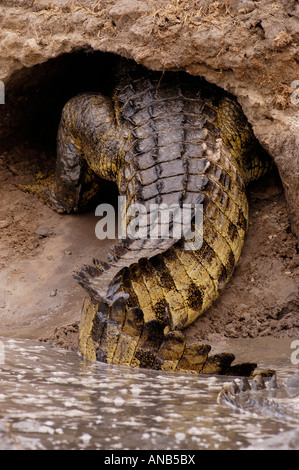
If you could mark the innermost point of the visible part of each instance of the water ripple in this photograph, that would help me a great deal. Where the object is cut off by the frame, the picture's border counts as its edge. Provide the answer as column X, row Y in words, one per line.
column 53, row 399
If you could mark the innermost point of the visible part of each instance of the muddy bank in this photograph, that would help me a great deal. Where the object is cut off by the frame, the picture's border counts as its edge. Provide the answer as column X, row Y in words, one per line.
column 40, row 250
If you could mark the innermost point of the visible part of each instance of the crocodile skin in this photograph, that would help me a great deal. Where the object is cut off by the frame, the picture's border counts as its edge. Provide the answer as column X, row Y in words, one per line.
column 170, row 139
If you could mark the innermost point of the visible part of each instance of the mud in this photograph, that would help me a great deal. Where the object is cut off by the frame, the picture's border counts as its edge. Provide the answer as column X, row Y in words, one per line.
column 41, row 249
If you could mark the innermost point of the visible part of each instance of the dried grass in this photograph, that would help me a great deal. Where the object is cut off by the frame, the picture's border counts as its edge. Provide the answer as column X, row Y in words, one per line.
column 49, row 11
column 74, row 6
column 190, row 13
column 282, row 96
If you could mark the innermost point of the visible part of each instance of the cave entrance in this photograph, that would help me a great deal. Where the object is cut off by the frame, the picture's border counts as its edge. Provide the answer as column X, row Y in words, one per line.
column 34, row 99
column 35, row 96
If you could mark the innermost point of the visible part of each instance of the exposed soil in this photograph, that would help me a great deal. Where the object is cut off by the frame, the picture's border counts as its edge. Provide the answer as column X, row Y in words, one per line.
column 41, row 249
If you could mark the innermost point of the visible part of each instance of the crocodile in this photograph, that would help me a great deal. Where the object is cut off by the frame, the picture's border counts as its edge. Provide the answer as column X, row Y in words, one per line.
column 163, row 138
column 263, row 394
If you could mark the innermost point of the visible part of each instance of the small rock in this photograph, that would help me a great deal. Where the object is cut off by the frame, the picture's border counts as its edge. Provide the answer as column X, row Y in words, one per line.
column 53, row 293
column 266, row 332
column 43, row 232
column 244, row 384
column 246, row 6
column 232, row 333
column 282, row 40
column 4, row 224
column 67, row 252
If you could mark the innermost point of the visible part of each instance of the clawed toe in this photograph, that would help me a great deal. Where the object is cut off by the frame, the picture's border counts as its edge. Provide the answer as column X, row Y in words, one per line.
column 45, row 188
column 114, row 333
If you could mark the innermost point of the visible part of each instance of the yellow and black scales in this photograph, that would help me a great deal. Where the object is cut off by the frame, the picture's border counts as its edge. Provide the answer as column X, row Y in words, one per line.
column 162, row 139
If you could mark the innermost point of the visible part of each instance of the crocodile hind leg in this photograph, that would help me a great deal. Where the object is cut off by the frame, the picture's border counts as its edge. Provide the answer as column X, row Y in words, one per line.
column 87, row 148
column 64, row 198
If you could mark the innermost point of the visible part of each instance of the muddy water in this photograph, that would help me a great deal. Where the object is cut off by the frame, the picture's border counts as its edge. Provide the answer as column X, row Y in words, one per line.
column 53, row 399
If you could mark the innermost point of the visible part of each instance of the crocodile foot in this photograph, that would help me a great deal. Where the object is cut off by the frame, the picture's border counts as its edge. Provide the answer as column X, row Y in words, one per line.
column 112, row 333
column 46, row 188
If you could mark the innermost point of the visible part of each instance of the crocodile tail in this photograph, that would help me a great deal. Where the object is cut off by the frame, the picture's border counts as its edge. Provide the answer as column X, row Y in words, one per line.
column 104, row 278
column 176, row 155
column 173, row 286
